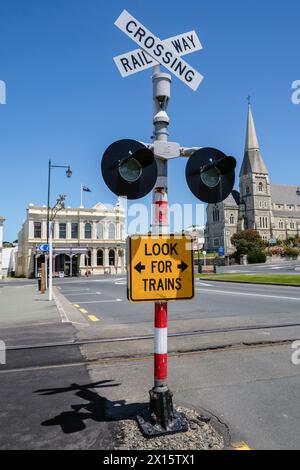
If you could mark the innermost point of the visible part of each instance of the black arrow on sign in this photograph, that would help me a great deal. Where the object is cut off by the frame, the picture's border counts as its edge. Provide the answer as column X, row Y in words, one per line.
column 182, row 266
column 140, row 267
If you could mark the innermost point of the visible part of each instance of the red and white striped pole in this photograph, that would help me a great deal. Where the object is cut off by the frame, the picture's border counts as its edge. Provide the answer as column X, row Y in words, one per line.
column 160, row 218
column 162, row 417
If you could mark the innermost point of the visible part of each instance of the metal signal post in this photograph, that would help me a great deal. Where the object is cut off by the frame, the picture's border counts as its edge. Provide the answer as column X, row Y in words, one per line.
column 161, row 418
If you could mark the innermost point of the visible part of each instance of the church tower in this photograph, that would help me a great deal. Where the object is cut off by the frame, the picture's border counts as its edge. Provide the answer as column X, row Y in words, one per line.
column 255, row 191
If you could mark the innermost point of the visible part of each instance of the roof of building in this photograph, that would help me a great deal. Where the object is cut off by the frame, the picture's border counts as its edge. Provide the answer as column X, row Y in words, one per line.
column 233, row 199
column 284, row 194
column 287, row 214
column 253, row 162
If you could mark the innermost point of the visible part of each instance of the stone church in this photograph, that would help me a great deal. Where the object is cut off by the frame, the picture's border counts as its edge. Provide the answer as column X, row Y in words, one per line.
column 272, row 209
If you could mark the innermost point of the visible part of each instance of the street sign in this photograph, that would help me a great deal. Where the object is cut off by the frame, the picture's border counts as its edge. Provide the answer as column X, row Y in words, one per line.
column 221, row 251
column 43, row 248
column 138, row 60
column 158, row 50
column 160, row 268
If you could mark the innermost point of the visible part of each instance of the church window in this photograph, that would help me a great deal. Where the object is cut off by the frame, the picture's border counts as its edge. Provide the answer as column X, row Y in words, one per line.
column 231, row 219
column 260, row 187
column 248, row 190
column 216, row 214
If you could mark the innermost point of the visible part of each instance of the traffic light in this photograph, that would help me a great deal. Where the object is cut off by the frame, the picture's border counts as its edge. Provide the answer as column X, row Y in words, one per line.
column 129, row 169
column 210, row 175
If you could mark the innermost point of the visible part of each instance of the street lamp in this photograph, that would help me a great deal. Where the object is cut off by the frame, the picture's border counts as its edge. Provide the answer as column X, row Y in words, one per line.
column 68, row 174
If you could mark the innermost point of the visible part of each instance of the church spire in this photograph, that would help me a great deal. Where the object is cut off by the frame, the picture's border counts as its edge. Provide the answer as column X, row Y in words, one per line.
column 253, row 162
column 251, row 137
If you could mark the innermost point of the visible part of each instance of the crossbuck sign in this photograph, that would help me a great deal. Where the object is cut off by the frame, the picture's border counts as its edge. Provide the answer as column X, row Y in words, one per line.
column 154, row 51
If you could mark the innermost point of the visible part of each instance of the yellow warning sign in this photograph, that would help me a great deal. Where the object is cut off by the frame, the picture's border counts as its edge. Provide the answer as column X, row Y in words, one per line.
column 160, row 268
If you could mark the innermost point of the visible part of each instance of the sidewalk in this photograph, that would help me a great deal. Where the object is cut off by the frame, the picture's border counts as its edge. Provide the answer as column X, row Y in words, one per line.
column 23, row 305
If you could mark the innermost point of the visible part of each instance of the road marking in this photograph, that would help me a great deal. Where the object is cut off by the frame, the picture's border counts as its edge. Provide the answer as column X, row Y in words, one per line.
column 204, row 284
column 62, row 313
column 240, row 446
column 103, row 301
column 76, row 305
column 82, row 310
column 93, row 318
column 248, row 294
column 84, row 293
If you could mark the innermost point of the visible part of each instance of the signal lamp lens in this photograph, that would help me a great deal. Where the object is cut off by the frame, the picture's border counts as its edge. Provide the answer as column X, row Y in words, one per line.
column 211, row 177
column 130, row 170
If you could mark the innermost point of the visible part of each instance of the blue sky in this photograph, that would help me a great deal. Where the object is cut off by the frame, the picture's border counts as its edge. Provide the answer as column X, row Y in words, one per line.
column 67, row 101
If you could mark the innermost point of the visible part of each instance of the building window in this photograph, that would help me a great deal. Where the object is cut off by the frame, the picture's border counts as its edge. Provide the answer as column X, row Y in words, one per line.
column 62, row 230
column 100, row 258
column 111, row 257
column 37, row 230
column 100, row 232
column 88, row 231
column 292, row 225
column 111, row 232
column 260, row 187
column 216, row 214
column 74, row 231
column 232, row 219
column 247, row 190
column 216, row 242
column 88, row 259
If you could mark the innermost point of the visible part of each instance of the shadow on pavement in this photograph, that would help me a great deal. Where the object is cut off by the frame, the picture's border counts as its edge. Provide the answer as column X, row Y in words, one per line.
column 98, row 408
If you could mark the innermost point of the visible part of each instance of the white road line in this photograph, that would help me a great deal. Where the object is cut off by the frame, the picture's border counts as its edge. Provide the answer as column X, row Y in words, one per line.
column 63, row 315
column 101, row 301
column 207, row 285
column 84, row 293
column 248, row 294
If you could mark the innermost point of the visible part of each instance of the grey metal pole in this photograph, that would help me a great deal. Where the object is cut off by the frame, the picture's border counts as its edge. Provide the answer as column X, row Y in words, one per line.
column 48, row 200
column 162, row 417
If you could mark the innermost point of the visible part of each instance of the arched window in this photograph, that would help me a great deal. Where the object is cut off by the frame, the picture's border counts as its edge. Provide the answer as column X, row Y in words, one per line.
column 88, row 259
column 111, row 232
column 100, row 258
column 260, row 187
column 88, row 231
column 247, row 190
column 232, row 219
column 100, row 232
column 111, row 257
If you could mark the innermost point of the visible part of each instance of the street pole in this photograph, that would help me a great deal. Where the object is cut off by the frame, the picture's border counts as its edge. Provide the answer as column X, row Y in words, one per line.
column 162, row 417
column 50, row 260
column 48, row 200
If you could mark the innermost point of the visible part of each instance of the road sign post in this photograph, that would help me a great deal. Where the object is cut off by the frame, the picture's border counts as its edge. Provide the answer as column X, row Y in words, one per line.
column 159, row 268
column 161, row 418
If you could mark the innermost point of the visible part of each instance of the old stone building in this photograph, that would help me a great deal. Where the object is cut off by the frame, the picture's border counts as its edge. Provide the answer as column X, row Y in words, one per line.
column 272, row 209
column 85, row 239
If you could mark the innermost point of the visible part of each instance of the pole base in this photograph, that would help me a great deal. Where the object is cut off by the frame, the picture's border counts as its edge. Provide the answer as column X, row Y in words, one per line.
column 161, row 418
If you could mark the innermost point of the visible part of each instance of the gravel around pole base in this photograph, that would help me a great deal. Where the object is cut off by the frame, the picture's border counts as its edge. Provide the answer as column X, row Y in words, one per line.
column 200, row 436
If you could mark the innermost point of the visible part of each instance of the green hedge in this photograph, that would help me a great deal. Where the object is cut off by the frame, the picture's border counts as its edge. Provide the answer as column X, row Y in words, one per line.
column 256, row 256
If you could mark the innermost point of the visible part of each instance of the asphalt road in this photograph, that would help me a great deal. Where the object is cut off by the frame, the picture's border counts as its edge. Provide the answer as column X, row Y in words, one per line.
column 286, row 267
column 105, row 299
column 235, row 361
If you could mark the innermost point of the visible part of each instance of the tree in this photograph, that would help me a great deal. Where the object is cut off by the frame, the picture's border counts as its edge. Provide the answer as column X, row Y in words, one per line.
column 246, row 241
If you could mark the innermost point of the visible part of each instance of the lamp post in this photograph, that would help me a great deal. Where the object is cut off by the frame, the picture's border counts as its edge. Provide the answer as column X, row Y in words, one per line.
column 68, row 174
column 60, row 204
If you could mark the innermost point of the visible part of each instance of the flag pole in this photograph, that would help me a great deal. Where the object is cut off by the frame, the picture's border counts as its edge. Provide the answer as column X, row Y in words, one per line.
column 81, row 195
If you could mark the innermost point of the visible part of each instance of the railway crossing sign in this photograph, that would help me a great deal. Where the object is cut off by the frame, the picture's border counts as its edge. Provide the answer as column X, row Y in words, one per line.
column 162, row 52
column 138, row 60
column 160, row 268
